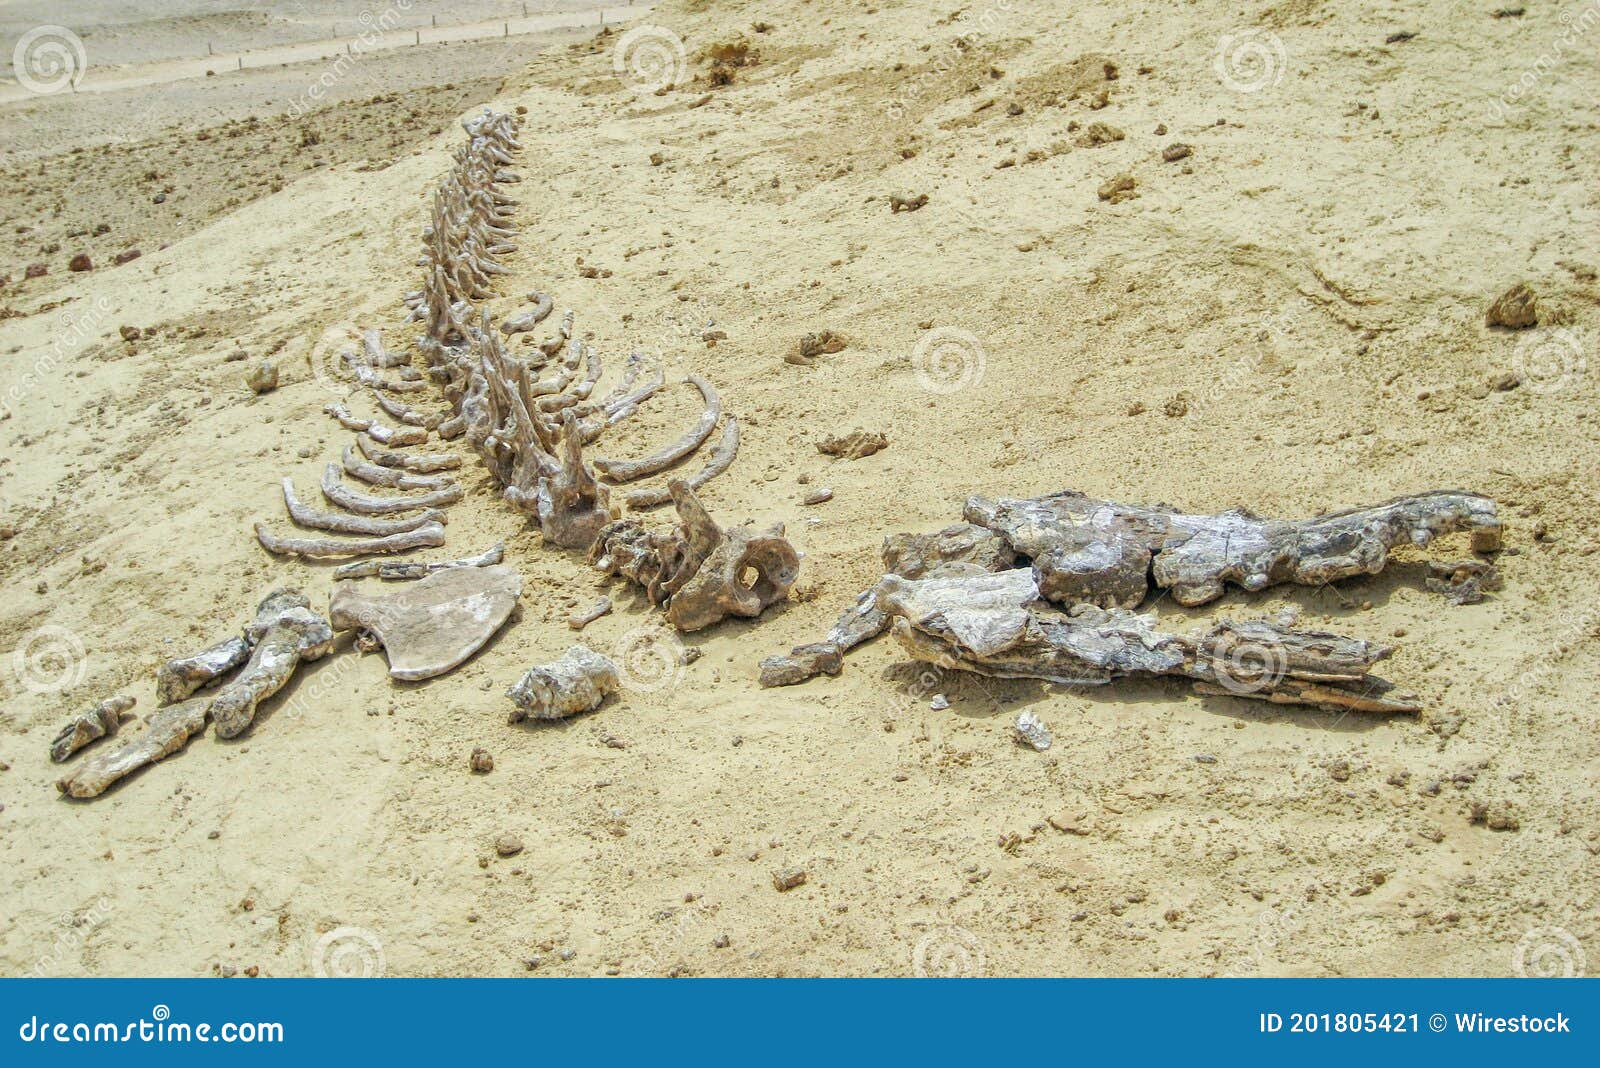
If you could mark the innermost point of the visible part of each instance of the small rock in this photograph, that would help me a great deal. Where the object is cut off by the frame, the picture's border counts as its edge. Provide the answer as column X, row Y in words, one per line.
column 129, row 333
column 1516, row 308
column 1176, row 151
column 1077, row 823
column 939, row 703
column 657, row 159
column 803, row 662
column 820, row 495
column 126, row 256
column 1119, row 188
column 788, row 879
column 567, row 954
column 508, row 845
column 1099, row 133
column 263, row 378
column 253, row 971
column 821, row 343
column 897, row 204
column 1204, row 758
column 36, row 270
column 1339, row 770
column 722, row 941
column 853, row 446
column 1496, row 815
column 80, row 263
column 480, row 761
column 1177, row 407
column 1031, row 731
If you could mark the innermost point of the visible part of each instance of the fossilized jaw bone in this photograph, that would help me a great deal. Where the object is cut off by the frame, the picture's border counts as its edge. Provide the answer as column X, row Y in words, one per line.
column 1105, row 553
column 578, row 682
column 334, row 489
column 415, row 569
column 995, row 624
column 182, row 676
column 667, row 455
column 341, row 523
column 436, row 624
column 101, row 721
column 429, row 535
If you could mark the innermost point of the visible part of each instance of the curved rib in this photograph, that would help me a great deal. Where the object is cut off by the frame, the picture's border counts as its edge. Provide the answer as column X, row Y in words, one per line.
column 373, row 475
column 665, row 457
column 721, row 460
column 417, row 462
column 306, row 516
column 352, row 500
column 426, row 536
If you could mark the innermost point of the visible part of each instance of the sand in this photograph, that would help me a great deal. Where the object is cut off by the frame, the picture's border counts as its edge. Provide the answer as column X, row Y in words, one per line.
column 1289, row 318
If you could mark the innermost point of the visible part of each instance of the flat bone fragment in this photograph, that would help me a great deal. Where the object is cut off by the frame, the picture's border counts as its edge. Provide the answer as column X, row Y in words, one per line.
column 334, row 489
column 101, row 721
column 803, row 662
column 578, row 682
column 579, row 620
column 415, row 462
column 390, row 477
column 182, row 676
column 415, row 569
column 340, row 523
column 671, row 453
column 284, row 633
column 1105, row 553
column 429, row 535
column 997, row 625
column 436, row 624
column 721, row 460
column 169, row 729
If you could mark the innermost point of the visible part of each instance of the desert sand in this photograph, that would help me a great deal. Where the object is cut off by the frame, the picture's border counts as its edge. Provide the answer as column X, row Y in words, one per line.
column 1290, row 317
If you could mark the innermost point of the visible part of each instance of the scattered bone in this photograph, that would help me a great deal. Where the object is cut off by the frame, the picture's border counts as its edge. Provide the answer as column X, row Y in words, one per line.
column 578, row 682
column 429, row 535
column 436, row 624
column 788, row 878
column 898, row 203
column 182, row 676
column 1031, row 731
column 414, row 569
column 417, row 463
column 101, row 721
column 334, row 489
column 389, row 477
column 997, row 625
column 803, row 662
column 169, row 729
column 285, row 632
column 668, row 455
column 340, row 523
column 853, row 446
column 1105, row 553
column 525, row 321
column 721, row 459
column 579, row 620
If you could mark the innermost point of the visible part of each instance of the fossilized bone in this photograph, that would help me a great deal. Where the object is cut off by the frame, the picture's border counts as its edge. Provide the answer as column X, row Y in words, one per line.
column 334, row 489
column 415, row 569
column 340, row 523
column 1105, row 553
column 101, row 721
column 720, row 461
column 376, row 355
column 412, row 435
column 285, row 633
column 572, row 506
column 434, row 625
column 373, row 380
column 405, row 412
column 429, row 535
column 168, row 730
column 390, row 477
column 702, row 573
column 416, row 462
column 578, row 682
column 997, row 625
column 182, row 676
column 524, row 321
column 630, row 470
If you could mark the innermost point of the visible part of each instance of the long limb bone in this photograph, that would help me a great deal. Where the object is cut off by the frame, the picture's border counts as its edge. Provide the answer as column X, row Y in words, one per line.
column 182, row 676
column 429, row 535
column 284, row 633
column 339, row 523
column 169, row 729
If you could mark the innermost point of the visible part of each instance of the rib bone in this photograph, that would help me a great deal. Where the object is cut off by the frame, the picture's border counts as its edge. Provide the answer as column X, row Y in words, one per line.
column 666, row 456
column 429, row 535
column 334, row 489
column 340, row 523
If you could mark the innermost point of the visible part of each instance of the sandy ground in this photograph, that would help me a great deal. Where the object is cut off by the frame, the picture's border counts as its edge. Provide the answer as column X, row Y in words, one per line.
column 1290, row 318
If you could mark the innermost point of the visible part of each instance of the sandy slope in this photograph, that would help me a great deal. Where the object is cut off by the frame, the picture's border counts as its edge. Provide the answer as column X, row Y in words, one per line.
column 1311, row 282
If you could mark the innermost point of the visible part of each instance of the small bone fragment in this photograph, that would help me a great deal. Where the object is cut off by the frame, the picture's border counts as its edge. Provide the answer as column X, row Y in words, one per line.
column 373, row 380
column 803, row 662
column 855, row 445
column 1031, row 731
column 345, row 419
column 101, row 721
column 415, row 462
column 169, row 729
column 453, row 428
column 578, row 682
column 817, row 495
column 429, row 535
column 389, row 477
column 579, row 620
column 182, row 676
column 527, row 320
column 898, row 203
column 434, row 625
column 339, row 523
column 1105, row 553
column 670, row 454
column 285, row 632
column 721, row 460
column 334, row 489
column 414, row 569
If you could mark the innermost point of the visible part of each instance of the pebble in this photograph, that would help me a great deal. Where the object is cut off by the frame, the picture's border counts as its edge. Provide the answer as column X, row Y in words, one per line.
column 481, row 761
column 788, row 878
column 263, row 378
column 820, row 495
column 939, row 703
column 508, row 845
